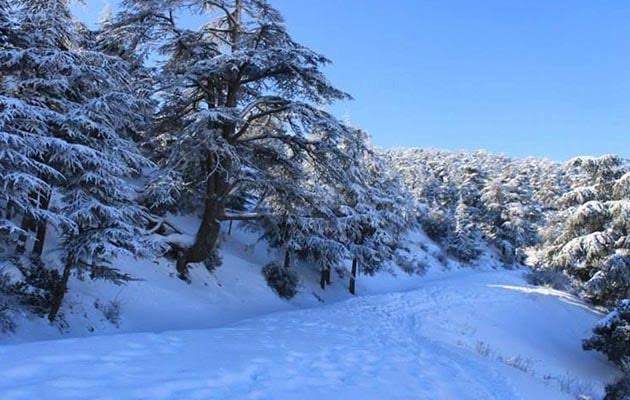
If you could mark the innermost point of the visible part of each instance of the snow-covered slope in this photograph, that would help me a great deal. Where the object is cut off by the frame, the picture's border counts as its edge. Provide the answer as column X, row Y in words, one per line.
column 159, row 301
column 458, row 335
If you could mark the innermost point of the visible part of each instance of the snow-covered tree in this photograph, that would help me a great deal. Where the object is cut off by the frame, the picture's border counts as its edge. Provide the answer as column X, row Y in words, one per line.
column 67, row 112
column 22, row 159
column 511, row 215
column 240, row 107
column 547, row 181
column 375, row 214
column 364, row 222
column 588, row 239
column 475, row 199
column 25, row 176
column 6, row 25
column 463, row 242
column 307, row 233
column 612, row 337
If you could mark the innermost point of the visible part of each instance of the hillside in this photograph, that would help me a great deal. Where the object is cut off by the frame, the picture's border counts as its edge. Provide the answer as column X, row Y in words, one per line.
column 156, row 300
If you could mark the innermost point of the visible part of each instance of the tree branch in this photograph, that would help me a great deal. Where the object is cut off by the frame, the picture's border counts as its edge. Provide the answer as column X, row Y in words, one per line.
column 241, row 217
column 254, row 117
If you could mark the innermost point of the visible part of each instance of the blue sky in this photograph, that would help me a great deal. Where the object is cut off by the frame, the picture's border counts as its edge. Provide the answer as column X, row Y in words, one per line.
column 541, row 78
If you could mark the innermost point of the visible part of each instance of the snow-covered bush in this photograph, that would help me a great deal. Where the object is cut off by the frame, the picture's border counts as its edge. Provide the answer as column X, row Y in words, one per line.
column 411, row 263
column 214, row 261
column 111, row 310
column 436, row 225
column 551, row 278
column 25, row 288
column 284, row 281
column 35, row 290
column 612, row 335
column 619, row 390
column 7, row 324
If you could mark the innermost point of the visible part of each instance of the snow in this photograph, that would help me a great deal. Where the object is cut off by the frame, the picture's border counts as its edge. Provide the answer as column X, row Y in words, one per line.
column 158, row 301
column 458, row 334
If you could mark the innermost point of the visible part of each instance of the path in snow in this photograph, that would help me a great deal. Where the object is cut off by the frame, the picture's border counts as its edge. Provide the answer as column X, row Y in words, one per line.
column 470, row 336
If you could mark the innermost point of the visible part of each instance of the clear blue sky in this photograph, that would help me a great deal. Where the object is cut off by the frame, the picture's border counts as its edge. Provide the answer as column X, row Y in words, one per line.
column 542, row 78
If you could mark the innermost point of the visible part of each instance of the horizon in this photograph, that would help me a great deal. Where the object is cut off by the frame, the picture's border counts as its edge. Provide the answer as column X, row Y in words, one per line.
column 526, row 80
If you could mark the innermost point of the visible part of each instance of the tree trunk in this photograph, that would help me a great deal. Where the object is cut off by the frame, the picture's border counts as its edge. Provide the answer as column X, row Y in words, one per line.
column 9, row 210
column 205, row 240
column 60, row 292
column 287, row 259
column 353, row 277
column 210, row 226
column 325, row 276
column 40, row 238
column 322, row 278
column 28, row 224
column 217, row 173
column 328, row 274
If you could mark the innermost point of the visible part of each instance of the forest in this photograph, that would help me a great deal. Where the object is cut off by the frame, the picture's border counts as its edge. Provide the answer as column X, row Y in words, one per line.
column 108, row 134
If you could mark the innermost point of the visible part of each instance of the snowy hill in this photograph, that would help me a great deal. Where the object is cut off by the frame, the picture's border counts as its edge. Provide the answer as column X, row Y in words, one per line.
column 157, row 301
column 458, row 335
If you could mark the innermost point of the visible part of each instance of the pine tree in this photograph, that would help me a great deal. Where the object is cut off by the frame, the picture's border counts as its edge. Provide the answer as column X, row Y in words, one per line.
column 612, row 337
column 464, row 242
column 364, row 222
column 240, row 108
column 589, row 237
column 73, row 106
column 306, row 233
column 24, row 174
column 378, row 213
column 511, row 214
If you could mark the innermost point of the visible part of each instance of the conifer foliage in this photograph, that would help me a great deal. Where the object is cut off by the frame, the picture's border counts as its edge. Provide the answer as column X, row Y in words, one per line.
column 588, row 237
column 65, row 114
column 574, row 217
column 612, row 337
column 231, row 124
column 241, row 112
column 477, row 201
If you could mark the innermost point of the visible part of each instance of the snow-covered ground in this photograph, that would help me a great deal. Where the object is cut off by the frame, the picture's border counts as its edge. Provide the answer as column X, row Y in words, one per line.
column 462, row 335
column 459, row 333
column 158, row 301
